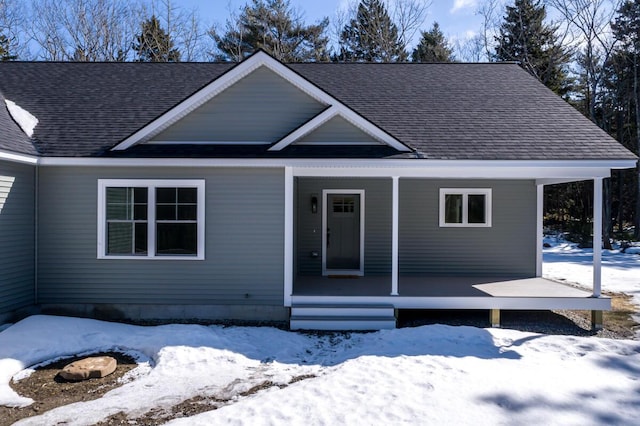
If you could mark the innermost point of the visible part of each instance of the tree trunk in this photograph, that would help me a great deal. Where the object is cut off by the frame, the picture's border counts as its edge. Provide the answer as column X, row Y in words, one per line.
column 636, row 232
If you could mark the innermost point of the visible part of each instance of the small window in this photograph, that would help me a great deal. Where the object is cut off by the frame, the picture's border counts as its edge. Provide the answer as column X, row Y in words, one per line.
column 151, row 219
column 465, row 207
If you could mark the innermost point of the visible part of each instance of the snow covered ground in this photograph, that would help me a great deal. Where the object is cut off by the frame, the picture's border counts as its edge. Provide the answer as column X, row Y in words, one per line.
column 620, row 271
column 426, row 375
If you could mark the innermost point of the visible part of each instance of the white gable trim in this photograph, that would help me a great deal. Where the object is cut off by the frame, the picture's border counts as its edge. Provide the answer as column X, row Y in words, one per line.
column 18, row 158
column 232, row 76
column 339, row 109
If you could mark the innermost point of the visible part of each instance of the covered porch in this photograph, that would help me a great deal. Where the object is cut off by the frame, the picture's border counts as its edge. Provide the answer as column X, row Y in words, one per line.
column 393, row 281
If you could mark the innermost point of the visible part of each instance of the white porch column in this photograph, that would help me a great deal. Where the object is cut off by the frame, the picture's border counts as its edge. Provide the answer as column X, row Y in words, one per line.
column 288, row 235
column 394, row 235
column 597, row 236
column 539, row 228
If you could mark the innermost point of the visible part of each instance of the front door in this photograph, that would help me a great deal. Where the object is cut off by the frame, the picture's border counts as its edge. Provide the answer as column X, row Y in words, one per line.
column 343, row 239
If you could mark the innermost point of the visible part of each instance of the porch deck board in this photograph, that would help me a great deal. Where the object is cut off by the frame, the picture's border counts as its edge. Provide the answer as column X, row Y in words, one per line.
column 433, row 286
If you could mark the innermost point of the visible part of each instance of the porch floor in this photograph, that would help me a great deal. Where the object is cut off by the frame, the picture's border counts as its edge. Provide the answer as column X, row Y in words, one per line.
column 430, row 292
column 430, row 286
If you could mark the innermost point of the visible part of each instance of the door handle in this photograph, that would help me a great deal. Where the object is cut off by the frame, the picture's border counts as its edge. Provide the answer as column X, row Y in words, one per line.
column 328, row 236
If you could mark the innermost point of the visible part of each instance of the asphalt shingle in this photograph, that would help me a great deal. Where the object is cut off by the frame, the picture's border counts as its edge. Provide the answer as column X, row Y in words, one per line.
column 441, row 111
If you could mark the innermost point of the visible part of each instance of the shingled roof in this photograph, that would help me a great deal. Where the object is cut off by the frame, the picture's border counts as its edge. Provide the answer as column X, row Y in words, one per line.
column 441, row 111
column 12, row 138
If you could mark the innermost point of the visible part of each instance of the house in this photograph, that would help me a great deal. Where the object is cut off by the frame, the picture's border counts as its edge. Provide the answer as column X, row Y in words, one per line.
column 327, row 195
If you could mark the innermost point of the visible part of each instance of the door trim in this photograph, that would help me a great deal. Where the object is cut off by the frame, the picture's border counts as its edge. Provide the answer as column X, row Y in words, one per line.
column 325, row 271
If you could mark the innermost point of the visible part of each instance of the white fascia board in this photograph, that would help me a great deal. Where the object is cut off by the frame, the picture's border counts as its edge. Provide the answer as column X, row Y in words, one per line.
column 523, row 169
column 344, row 112
column 18, row 158
column 194, row 101
column 305, row 129
column 235, row 74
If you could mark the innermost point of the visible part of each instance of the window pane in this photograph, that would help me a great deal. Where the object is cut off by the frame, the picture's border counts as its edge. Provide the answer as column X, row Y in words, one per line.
column 166, row 212
column 176, row 238
column 140, row 195
column 140, row 212
column 166, row 195
column 187, row 212
column 141, row 238
column 118, row 212
column 187, row 195
column 453, row 208
column 119, row 237
column 477, row 208
column 117, row 195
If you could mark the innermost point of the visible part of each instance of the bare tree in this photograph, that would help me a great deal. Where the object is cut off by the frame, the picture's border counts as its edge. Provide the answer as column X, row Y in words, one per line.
column 12, row 19
column 408, row 15
column 491, row 13
column 588, row 23
column 471, row 49
column 183, row 26
column 83, row 30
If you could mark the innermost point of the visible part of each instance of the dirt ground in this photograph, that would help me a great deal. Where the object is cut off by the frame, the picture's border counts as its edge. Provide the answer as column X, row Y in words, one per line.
column 49, row 390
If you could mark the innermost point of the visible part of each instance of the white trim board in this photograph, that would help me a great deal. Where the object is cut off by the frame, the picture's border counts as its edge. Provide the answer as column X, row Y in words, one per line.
column 151, row 184
column 18, row 158
column 410, row 302
column 517, row 169
column 325, row 194
column 235, row 74
column 350, row 116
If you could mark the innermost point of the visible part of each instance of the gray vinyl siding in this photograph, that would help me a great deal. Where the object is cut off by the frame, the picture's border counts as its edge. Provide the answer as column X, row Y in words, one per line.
column 507, row 248
column 243, row 250
column 337, row 130
column 262, row 107
column 377, row 240
column 17, row 192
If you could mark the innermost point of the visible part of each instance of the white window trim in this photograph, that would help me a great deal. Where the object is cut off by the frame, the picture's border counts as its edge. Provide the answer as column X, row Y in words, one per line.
column 325, row 194
column 465, row 192
column 151, row 184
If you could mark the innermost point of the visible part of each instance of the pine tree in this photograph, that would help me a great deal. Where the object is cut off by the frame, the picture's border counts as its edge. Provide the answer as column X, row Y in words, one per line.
column 524, row 37
column 433, row 47
column 626, row 29
column 272, row 25
column 4, row 50
column 371, row 36
column 154, row 44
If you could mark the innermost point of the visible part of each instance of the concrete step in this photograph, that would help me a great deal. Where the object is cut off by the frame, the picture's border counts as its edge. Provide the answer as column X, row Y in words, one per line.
column 342, row 310
column 342, row 323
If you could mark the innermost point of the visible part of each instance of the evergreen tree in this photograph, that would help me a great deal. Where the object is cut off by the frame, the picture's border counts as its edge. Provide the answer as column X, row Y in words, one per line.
column 4, row 49
column 626, row 29
column 371, row 36
column 433, row 47
column 154, row 44
column 524, row 37
column 272, row 25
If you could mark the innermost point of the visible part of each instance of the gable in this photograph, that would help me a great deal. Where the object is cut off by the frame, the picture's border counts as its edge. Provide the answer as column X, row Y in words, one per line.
column 337, row 131
column 261, row 108
column 266, row 103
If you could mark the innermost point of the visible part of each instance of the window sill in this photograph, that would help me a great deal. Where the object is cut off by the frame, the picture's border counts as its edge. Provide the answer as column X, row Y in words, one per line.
column 152, row 257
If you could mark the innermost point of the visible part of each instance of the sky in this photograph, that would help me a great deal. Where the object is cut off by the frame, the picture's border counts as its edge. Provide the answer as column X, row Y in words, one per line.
column 457, row 18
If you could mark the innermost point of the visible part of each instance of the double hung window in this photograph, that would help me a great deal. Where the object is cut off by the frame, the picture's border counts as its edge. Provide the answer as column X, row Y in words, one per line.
column 151, row 219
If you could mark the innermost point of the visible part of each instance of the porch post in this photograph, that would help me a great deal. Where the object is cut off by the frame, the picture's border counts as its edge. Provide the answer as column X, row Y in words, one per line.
column 539, row 228
column 394, row 236
column 288, row 235
column 597, row 236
